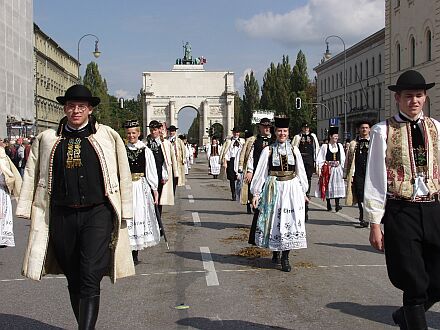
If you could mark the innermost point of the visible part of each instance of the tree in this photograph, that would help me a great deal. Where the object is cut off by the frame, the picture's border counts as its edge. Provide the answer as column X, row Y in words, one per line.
column 300, row 77
column 238, row 114
column 193, row 131
column 251, row 100
column 98, row 86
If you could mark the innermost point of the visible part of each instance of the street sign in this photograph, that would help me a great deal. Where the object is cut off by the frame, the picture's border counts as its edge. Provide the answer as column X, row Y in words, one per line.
column 333, row 121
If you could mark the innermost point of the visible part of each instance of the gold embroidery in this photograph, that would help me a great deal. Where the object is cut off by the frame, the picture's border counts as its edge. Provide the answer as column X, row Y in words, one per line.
column 73, row 153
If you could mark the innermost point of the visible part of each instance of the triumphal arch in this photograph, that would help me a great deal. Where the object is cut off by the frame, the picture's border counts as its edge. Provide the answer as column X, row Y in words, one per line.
column 165, row 93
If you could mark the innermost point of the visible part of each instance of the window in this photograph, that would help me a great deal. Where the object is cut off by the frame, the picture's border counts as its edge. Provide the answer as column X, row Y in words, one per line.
column 379, row 96
column 413, row 51
column 333, row 82
column 351, row 75
column 398, row 56
column 360, row 71
column 355, row 73
column 372, row 66
column 336, row 80
column 380, row 63
column 428, row 45
column 366, row 68
column 340, row 79
column 355, row 100
column 325, row 85
column 367, row 95
column 373, row 101
column 361, row 98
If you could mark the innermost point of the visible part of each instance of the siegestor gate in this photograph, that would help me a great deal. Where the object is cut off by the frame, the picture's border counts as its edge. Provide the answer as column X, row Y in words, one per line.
column 165, row 93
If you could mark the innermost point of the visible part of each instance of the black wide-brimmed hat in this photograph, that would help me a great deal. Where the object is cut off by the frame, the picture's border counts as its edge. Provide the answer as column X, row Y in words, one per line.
column 131, row 123
column 305, row 124
column 235, row 129
column 172, row 128
column 79, row 93
column 265, row 122
column 282, row 122
column 410, row 80
column 333, row 130
column 154, row 124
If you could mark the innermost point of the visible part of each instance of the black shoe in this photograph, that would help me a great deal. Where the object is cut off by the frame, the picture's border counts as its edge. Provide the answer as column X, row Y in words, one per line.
column 415, row 317
column 88, row 313
column 233, row 198
column 364, row 224
column 338, row 208
column 134, row 254
column 74, row 302
column 329, row 206
column 276, row 257
column 249, row 209
column 399, row 318
column 285, row 266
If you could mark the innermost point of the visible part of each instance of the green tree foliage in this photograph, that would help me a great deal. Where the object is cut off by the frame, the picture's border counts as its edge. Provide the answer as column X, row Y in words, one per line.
column 238, row 113
column 251, row 100
column 98, row 86
column 193, row 131
column 300, row 77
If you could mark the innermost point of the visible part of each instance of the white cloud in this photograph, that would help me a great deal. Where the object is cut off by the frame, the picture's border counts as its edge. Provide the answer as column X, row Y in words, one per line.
column 124, row 94
column 245, row 72
column 311, row 23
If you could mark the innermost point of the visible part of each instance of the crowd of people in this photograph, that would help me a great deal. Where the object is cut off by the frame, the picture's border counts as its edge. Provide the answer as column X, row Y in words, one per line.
column 95, row 201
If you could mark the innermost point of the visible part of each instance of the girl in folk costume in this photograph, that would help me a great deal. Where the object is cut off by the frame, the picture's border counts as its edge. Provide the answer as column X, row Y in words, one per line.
column 10, row 183
column 330, row 160
column 143, row 229
column 213, row 155
column 279, row 187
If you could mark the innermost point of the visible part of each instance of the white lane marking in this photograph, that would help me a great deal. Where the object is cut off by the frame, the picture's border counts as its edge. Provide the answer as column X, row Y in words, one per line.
column 204, row 271
column 342, row 215
column 196, row 219
column 208, row 265
column 191, row 198
column 188, row 187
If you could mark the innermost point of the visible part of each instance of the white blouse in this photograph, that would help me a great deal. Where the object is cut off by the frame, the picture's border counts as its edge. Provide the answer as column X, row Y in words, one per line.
column 150, row 164
column 320, row 160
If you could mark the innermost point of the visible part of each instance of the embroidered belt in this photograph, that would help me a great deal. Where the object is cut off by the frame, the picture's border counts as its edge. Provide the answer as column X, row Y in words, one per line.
column 418, row 199
column 283, row 175
column 136, row 176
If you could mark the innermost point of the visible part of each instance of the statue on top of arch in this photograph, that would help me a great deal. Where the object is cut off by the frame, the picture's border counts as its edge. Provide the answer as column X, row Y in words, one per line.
column 187, row 52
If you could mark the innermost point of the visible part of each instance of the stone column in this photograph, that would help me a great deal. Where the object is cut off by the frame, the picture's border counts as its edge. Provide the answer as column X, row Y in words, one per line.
column 148, row 112
column 172, row 106
column 205, row 123
column 229, row 116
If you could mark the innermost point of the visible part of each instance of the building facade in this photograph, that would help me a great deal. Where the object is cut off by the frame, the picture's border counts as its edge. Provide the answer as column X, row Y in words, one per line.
column 364, row 92
column 411, row 42
column 16, row 74
column 55, row 71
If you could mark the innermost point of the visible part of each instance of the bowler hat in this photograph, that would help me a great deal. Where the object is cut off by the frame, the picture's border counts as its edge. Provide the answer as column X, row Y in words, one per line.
column 282, row 122
column 131, row 123
column 410, row 80
column 172, row 128
column 235, row 129
column 265, row 122
column 305, row 124
column 154, row 124
column 78, row 93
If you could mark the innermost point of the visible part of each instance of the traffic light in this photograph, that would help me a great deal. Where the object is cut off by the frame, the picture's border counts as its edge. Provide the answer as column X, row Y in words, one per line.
column 298, row 103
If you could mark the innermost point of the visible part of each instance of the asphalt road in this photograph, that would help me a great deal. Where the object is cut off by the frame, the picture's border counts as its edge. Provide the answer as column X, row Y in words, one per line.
column 209, row 279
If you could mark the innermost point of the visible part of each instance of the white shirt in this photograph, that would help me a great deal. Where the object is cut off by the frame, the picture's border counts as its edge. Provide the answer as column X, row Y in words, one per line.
column 321, row 159
column 375, row 189
column 150, row 164
column 234, row 151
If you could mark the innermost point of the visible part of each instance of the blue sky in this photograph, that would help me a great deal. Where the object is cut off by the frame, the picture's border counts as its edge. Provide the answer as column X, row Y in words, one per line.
column 238, row 36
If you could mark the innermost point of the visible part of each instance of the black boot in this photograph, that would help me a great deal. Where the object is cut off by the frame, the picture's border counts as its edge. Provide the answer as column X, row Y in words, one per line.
column 415, row 317
column 337, row 206
column 276, row 257
column 88, row 313
column 285, row 266
column 232, row 185
column 307, row 212
column 399, row 316
column 74, row 302
column 249, row 209
column 329, row 206
column 135, row 253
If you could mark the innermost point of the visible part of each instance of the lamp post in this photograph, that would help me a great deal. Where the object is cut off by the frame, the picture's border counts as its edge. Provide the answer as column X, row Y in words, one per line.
column 327, row 56
column 96, row 53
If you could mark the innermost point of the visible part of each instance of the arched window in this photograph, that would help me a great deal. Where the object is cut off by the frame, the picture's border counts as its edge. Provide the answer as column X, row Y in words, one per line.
column 373, row 100
column 428, row 45
column 372, row 66
column 340, row 80
column 413, row 51
column 366, row 69
column 333, row 82
column 355, row 73
column 360, row 71
column 379, row 96
column 398, row 56
column 380, row 63
column 351, row 75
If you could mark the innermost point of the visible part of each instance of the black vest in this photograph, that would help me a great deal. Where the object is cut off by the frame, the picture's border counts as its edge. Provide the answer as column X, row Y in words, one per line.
column 259, row 144
column 284, row 165
column 307, row 148
column 77, row 173
column 136, row 160
column 214, row 150
column 333, row 156
column 361, row 156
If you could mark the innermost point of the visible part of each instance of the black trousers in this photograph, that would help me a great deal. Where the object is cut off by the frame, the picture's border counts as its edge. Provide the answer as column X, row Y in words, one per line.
column 231, row 175
column 253, row 227
column 358, row 185
column 81, row 240
column 159, row 192
column 412, row 249
column 310, row 169
column 175, row 182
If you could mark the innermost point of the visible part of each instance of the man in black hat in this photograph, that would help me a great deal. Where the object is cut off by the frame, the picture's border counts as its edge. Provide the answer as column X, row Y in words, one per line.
column 308, row 145
column 249, row 156
column 77, row 192
column 180, row 154
column 401, row 191
column 231, row 151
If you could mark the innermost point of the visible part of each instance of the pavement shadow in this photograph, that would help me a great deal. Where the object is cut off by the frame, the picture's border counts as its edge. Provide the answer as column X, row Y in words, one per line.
column 16, row 322
column 215, row 225
column 379, row 313
column 207, row 324
column 211, row 199
column 263, row 263
column 220, row 212
column 359, row 247
column 328, row 222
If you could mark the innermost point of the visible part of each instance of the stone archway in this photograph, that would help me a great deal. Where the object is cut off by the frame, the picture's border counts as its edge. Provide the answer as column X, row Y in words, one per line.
column 210, row 93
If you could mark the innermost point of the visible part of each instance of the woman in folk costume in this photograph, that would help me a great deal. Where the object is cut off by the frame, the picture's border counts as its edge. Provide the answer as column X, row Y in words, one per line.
column 213, row 155
column 279, row 187
column 143, row 229
column 10, row 183
column 330, row 161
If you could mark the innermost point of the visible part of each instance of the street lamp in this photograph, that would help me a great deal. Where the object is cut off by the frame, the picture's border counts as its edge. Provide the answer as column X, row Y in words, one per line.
column 327, row 55
column 96, row 53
